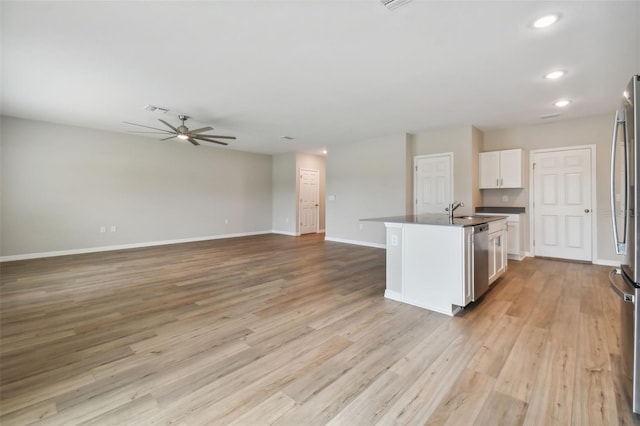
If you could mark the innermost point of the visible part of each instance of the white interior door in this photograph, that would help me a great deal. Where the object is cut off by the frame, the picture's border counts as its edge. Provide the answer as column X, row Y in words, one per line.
column 309, row 205
column 562, row 204
column 433, row 183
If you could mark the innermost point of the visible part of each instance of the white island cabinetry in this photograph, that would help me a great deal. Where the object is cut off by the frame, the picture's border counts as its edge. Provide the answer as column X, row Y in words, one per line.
column 432, row 260
column 430, row 266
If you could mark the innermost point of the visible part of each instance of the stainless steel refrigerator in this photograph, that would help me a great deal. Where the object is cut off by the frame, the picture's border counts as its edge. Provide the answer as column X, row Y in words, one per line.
column 625, row 213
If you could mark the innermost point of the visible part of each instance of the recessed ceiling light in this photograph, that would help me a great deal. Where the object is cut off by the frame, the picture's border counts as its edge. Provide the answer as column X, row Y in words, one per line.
column 324, row 151
column 554, row 75
column 545, row 21
column 560, row 103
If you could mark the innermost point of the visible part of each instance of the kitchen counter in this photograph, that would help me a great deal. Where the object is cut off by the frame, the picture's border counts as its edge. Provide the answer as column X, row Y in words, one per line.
column 436, row 219
column 501, row 210
column 430, row 259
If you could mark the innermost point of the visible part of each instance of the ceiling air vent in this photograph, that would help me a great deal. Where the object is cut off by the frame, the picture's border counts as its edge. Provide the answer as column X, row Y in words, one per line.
column 393, row 4
column 153, row 108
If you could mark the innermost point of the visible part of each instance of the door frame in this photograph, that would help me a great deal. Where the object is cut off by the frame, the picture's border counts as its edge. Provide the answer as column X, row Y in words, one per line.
column 594, row 212
column 415, row 175
column 298, row 227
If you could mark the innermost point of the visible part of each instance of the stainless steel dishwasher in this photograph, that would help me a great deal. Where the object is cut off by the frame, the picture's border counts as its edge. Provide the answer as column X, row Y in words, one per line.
column 480, row 260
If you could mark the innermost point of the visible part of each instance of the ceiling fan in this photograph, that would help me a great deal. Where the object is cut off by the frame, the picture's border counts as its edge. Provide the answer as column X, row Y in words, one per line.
column 182, row 132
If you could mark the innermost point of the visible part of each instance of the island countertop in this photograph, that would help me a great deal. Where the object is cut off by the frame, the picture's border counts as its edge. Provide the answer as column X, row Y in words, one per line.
column 436, row 219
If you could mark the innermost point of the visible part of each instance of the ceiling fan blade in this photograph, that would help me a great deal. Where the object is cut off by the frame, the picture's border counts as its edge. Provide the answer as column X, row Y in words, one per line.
column 204, row 129
column 170, row 137
column 167, row 124
column 209, row 140
column 216, row 136
column 148, row 127
column 193, row 141
column 155, row 133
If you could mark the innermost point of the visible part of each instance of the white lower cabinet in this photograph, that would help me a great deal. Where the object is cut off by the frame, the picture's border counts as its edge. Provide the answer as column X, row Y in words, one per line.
column 514, row 235
column 497, row 249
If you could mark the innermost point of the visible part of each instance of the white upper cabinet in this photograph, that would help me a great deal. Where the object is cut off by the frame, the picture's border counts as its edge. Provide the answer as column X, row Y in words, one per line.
column 501, row 169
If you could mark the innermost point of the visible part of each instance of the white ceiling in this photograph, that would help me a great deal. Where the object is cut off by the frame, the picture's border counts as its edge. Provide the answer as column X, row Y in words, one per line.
column 324, row 72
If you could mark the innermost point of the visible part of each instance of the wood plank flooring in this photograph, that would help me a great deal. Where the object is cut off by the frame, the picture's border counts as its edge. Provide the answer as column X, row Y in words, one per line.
column 295, row 331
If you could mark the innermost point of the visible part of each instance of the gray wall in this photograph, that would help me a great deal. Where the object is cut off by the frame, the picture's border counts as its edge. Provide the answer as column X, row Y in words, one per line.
column 368, row 179
column 60, row 184
column 286, row 187
column 462, row 143
column 590, row 131
column 373, row 178
column 284, row 194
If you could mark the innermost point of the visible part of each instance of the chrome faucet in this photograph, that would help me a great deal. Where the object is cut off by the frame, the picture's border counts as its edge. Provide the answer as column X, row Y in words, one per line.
column 452, row 207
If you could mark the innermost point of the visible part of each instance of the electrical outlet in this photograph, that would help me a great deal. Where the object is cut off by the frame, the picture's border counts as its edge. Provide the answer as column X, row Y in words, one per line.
column 286, row 220
column 394, row 240
column 226, row 221
column 361, row 227
column 505, row 198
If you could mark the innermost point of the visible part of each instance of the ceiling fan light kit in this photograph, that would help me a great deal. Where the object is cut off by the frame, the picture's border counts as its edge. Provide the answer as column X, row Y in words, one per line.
column 182, row 132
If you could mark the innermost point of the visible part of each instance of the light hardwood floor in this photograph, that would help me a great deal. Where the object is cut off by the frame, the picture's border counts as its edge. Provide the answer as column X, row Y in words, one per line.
column 296, row 331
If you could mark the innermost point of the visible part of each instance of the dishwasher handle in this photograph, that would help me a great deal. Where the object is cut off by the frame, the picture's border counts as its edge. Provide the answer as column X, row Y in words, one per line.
column 627, row 297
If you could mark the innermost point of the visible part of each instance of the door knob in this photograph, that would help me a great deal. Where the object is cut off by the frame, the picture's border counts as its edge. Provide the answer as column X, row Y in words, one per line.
column 587, row 210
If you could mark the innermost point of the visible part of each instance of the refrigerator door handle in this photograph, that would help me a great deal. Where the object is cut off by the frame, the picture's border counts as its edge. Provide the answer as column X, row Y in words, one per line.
column 627, row 297
column 620, row 245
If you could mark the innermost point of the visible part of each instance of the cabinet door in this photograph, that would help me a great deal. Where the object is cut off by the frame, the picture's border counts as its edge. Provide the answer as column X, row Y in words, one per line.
column 489, row 169
column 493, row 271
column 511, row 168
column 501, row 253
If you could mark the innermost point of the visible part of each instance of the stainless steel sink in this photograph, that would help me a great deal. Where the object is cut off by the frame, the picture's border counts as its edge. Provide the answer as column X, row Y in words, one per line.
column 468, row 217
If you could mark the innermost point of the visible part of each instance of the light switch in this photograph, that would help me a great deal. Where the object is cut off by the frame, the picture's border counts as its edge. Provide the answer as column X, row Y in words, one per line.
column 332, row 197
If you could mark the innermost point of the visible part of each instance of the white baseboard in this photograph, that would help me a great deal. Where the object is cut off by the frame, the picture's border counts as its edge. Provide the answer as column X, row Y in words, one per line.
column 291, row 234
column 605, row 262
column 393, row 295
column 450, row 312
column 355, row 242
column 125, row 246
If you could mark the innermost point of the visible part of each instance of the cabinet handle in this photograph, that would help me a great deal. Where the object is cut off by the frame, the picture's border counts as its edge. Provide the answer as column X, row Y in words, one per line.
column 497, row 182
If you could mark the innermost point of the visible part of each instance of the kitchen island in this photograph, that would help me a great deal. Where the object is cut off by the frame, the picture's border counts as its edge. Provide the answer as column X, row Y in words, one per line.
column 430, row 259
